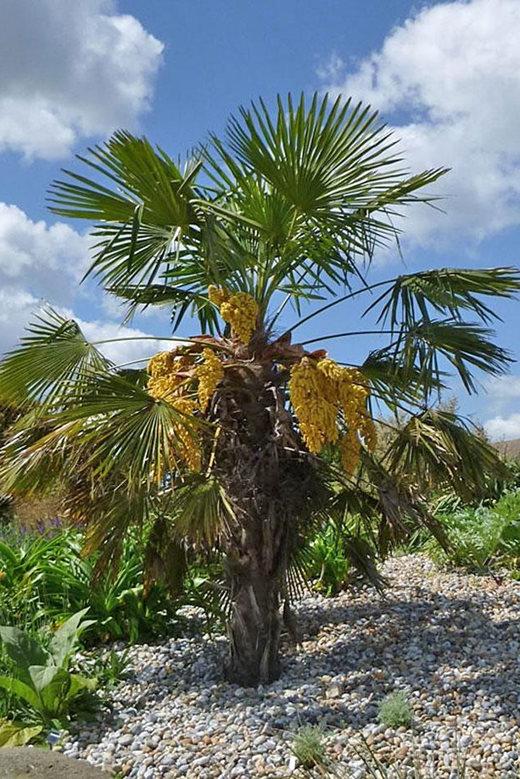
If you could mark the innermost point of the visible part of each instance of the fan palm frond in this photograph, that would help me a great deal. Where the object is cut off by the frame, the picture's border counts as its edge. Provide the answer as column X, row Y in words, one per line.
column 464, row 346
column 132, row 431
column 145, row 213
column 201, row 511
column 52, row 361
column 445, row 292
column 439, row 448
column 319, row 179
column 395, row 382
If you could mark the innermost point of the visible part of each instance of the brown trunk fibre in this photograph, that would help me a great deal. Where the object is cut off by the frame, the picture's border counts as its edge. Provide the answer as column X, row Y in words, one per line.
column 271, row 487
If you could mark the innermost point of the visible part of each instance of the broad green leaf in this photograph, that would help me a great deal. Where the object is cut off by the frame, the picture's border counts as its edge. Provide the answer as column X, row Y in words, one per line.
column 54, row 695
column 42, row 675
column 23, row 650
column 66, row 636
column 13, row 734
column 21, row 690
column 78, row 684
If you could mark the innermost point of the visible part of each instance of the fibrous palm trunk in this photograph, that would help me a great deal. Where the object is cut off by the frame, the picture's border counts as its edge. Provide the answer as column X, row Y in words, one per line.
column 254, row 628
column 257, row 557
column 271, row 488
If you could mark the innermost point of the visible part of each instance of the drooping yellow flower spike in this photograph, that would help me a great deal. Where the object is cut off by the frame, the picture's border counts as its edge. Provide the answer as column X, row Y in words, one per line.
column 184, row 435
column 240, row 310
column 218, row 295
column 350, row 450
column 319, row 391
column 166, row 382
column 209, row 373
column 164, row 369
column 313, row 404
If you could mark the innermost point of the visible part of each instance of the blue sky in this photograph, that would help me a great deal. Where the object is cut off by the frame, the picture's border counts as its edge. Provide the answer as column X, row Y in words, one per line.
column 445, row 75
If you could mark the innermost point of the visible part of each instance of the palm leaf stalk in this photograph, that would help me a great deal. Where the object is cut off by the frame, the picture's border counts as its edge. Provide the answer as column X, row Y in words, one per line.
column 240, row 439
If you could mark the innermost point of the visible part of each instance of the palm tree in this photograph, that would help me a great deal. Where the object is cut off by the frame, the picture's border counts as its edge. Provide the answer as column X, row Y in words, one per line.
column 242, row 439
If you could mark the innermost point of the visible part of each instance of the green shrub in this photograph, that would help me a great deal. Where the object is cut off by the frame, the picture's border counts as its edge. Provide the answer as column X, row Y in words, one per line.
column 326, row 562
column 45, row 579
column 40, row 675
column 483, row 535
column 395, row 711
column 308, row 747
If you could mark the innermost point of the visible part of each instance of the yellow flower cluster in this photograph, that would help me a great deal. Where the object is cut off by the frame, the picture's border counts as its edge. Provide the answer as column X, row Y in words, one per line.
column 184, row 434
column 218, row 295
column 350, row 450
column 209, row 373
column 169, row 379
column 321, row 390
column 239, row 310
column 313, row 404
column 164, row 381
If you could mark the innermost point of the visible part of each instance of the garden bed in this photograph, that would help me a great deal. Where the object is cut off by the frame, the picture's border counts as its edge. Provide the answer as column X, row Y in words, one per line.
column 449, row 640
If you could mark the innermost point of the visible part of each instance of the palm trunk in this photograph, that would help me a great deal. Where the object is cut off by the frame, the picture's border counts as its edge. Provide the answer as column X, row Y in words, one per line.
column 254, row 631
column 271, row 489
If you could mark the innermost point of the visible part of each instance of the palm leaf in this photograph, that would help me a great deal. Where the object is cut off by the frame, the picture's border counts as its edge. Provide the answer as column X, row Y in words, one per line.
column 52, row 361
column 440, row 448
column 145, row 213
column 177, row 299
column 201, row 511
column 314, row 177
column 446, row 292
column 462, row 345
column 129, row 431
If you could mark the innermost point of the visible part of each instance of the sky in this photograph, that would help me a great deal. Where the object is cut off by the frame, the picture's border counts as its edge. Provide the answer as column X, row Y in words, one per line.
column 444, row 75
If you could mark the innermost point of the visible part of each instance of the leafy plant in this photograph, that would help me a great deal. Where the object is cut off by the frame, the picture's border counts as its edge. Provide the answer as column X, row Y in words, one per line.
column 41, row 677
column 482, row 536
column 308, row 746
column 110, row 667
column 395, row 711
column 15, row 734
column 45, row 578
column 327, row 564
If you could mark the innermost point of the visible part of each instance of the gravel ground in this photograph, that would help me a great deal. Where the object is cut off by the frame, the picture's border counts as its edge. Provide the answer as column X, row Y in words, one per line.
column 449, row 640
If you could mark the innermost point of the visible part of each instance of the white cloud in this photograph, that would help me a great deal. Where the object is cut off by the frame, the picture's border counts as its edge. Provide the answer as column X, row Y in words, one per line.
column 46, row 257
column 122, row 352
column 70, row 69
column 16, row 306
column 43, row 263
column 37, row 262
column 501, row 389
column 503, row 428
column 453, row 72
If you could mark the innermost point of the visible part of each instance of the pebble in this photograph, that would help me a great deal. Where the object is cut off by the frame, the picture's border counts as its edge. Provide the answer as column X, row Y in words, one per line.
column 448, row 639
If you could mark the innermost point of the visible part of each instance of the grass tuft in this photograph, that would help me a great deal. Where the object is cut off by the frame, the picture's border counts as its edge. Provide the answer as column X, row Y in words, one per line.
column 395, row 711
column 309, row 747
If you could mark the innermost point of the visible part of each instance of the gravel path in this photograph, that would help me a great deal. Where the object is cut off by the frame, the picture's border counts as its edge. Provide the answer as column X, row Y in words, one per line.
column 450, row 641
